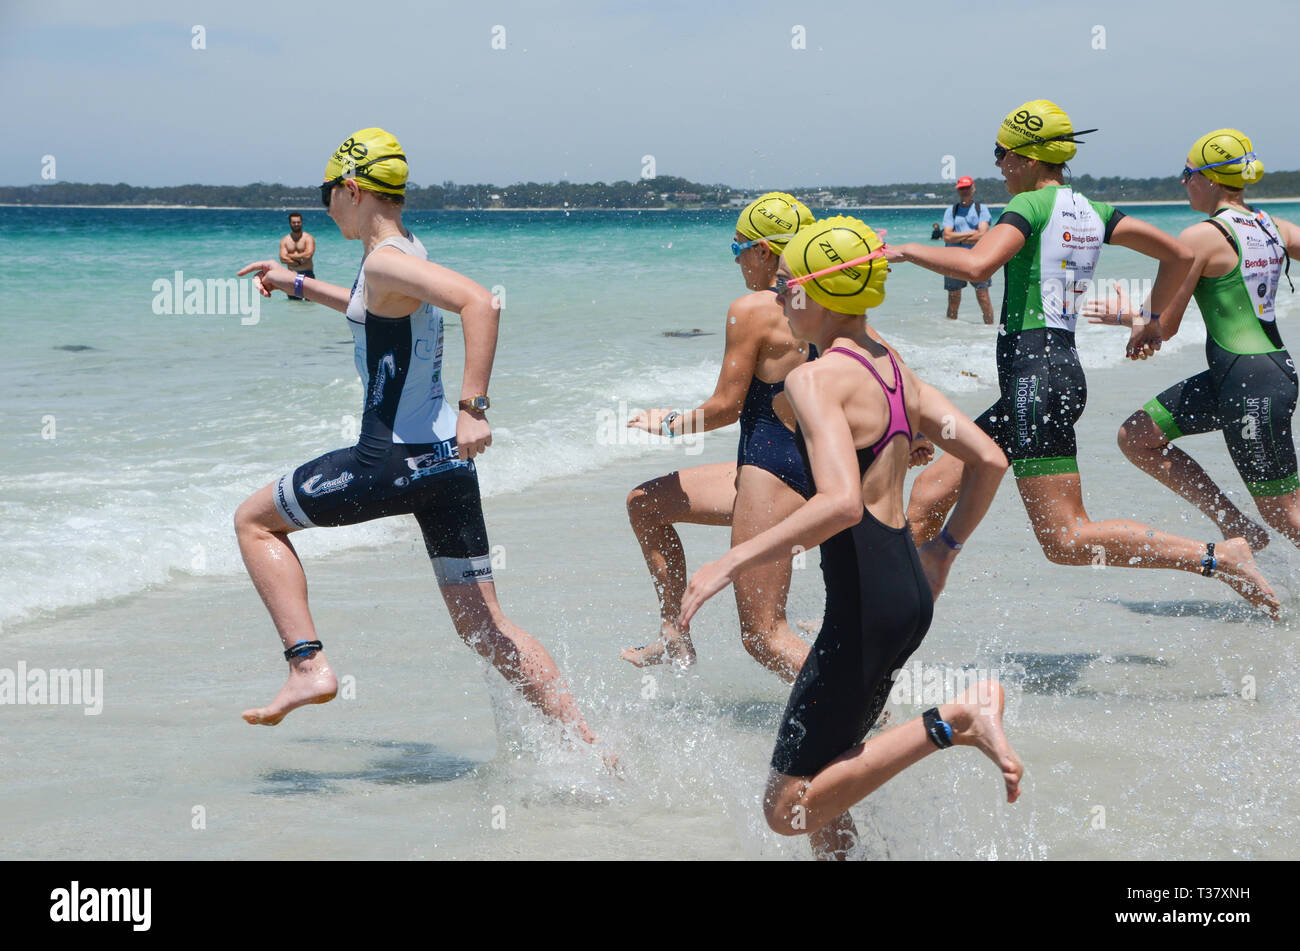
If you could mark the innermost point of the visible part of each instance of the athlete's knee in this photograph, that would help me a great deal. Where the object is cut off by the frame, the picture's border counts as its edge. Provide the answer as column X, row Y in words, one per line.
column 783, row 813
column 757, row 641
column 1062, row 547
column 1138, row 434
column 641, row 509
column 246, row 520
column 1281, row 518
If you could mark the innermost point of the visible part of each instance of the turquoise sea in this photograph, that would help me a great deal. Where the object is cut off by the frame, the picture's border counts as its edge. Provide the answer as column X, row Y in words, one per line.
column 131, row 433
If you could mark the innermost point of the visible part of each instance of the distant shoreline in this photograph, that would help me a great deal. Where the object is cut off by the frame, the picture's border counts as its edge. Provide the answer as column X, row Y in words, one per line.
column 1127, row 204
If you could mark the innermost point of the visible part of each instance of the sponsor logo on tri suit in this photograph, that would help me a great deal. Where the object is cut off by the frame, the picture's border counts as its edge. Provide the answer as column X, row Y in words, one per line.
column 477, row 572
column 284, row 505
column 442, row 458
column 1257, row 408
column 314, row 486
column 387, row 368
column 1026, row 394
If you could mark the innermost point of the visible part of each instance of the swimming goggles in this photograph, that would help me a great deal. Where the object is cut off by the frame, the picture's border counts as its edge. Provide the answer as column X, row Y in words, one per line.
column 738, row 246
column 1000, row 151
column 1188, row 171
column 327, row 188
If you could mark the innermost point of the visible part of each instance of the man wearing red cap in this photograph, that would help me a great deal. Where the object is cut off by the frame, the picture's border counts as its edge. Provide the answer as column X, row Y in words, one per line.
column 964, row 224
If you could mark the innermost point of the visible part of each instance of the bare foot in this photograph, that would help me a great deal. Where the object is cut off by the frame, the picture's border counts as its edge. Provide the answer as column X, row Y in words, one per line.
column 671, row 647
column 310, row 681
column 1237, row 569
column 976, row 720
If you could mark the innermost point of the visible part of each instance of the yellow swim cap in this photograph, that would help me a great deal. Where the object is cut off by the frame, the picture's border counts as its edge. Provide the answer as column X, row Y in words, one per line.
column 772, row 215
column 1226, row 156
column 828, row 242
column 1041, row 130
column 374, row 158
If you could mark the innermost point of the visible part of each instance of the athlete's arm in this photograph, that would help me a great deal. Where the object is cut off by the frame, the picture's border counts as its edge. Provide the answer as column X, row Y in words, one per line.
column 1176, row 261
column 744, row 334
column 285, row 258
column 397, row 283
column 952, row 431
column 1206, row 243
column 271, row 277
column 308, row 247
column 1207, row 246
column 1290, row 235
column 977, row 263
column 837, row 505
column 985, row 464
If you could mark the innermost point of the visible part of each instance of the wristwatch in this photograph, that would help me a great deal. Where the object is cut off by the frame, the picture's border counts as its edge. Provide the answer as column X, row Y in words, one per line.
column 478, row 404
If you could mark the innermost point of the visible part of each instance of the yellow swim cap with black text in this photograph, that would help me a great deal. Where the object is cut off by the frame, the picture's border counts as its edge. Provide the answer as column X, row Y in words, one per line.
column 773, row 217
column 1231, row 153
column 374, row 158
column 828, row 242
column 1039, row 129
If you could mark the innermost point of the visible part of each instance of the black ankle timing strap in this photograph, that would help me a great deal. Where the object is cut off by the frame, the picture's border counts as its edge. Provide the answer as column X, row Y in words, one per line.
column 940, row 733
column 301, row 648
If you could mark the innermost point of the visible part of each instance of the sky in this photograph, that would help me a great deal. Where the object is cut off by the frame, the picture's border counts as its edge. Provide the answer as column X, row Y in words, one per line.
column 169, row 92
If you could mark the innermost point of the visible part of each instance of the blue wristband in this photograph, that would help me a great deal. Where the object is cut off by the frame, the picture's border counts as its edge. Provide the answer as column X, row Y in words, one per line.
column 948, row 540
column 297, row 285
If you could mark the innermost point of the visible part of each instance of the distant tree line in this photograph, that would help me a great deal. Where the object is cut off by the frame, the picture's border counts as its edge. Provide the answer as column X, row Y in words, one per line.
column 664, row 191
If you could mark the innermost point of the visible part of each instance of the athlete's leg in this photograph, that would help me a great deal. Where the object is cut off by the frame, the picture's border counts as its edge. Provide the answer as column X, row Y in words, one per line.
column 1143, row 443
column 703, row 495
column 1283, row 513
column 986, row 305
column 521, row 659
column 794, row 805
column 278, row 575
column 954, row 303
column 763, row 500
column 1068, row 537
column 934, row 493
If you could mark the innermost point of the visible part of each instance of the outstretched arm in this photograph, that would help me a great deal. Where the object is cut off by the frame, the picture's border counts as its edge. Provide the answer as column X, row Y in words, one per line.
column 744, row 334
column 271, row 277
column 836, row 506
column 978, row 263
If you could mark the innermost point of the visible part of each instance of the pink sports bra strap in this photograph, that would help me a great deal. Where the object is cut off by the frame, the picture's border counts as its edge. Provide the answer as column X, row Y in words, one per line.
column 897, row 404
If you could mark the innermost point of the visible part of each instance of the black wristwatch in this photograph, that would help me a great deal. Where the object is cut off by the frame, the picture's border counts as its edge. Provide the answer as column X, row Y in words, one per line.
column 478, row 404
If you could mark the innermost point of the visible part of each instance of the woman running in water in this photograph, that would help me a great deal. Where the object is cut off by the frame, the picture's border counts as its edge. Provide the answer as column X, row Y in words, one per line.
column 1249, row 390
column 767, row 481
column 1049, row 238
column 850, row 405
column 415, row 453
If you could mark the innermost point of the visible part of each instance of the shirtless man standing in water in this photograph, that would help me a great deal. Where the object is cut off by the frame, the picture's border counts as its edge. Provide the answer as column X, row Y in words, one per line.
column 297, row 248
